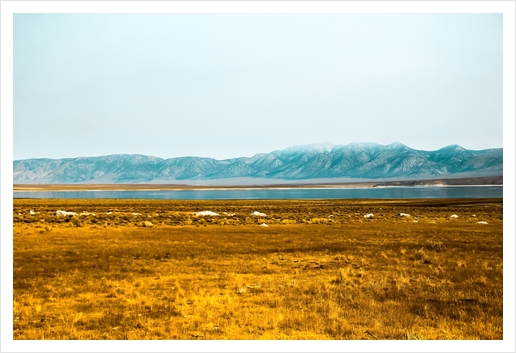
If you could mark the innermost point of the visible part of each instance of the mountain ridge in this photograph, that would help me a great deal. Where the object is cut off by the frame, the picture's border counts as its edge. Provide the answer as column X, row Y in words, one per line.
column 302, row 162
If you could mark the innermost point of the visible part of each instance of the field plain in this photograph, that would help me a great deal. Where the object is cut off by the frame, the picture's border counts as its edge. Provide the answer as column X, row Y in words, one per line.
column 151, row 269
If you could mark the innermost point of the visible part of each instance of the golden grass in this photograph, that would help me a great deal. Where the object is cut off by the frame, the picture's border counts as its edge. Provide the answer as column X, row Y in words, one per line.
column 308, row 275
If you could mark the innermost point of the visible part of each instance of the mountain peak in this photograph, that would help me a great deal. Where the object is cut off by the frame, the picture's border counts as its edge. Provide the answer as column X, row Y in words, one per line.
column 362, row 145
column 321, row 147
column 454, row 147
column 396, row 144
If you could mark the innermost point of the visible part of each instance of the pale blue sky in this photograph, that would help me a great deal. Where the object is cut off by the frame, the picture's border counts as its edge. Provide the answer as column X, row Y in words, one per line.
column 229, row 85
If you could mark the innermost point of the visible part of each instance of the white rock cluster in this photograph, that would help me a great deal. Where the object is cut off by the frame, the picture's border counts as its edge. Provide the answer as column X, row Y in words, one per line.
column 258, row 214
column 206, row 213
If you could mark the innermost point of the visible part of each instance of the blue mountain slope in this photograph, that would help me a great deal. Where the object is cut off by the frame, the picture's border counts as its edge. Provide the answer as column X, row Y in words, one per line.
column 357, row 160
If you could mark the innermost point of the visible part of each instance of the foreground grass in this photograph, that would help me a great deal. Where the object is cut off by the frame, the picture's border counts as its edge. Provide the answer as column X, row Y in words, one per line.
column 320, row 270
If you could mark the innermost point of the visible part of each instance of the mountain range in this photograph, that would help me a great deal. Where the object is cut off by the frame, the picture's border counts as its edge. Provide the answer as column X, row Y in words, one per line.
column 362, row 161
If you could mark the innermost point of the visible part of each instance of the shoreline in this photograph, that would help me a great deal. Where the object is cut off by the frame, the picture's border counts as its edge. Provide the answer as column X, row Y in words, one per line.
column 459, row 182
column 194, row 188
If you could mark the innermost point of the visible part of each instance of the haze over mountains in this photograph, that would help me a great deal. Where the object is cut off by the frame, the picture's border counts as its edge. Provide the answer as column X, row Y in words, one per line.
column 299, row 163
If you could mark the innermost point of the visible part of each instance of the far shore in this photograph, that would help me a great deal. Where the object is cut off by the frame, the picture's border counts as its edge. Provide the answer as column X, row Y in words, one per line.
column 476, row 181
column 133, row 187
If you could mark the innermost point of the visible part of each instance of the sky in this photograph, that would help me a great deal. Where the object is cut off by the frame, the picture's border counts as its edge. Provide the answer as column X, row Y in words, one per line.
column 232, row 85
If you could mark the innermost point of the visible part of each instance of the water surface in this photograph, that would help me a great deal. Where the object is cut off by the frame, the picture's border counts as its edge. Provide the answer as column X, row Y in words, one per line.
column 408, row 192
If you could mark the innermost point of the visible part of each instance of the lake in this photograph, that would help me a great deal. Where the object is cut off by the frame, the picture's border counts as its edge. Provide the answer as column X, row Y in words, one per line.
column 409, row 192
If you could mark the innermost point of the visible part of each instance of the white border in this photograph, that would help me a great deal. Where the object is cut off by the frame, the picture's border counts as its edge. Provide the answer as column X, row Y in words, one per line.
column 8, row 8
column 257, row 6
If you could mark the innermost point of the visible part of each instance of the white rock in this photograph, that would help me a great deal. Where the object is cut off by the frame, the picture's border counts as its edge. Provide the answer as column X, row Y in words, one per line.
column 109, row 212
column 454, row 216
column 206, row 213
column 32, row 212
column 136, row 214
column 482, row 222
column 369, row 215
column 258, row 214
column 401, row 214
column 65, row 213
column 263, row 225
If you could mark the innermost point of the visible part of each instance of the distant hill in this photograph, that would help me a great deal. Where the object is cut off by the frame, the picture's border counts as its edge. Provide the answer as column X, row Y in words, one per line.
column 365, row 161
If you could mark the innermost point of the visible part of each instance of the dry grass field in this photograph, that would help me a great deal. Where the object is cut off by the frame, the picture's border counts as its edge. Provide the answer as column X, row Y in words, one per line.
column 143, row 269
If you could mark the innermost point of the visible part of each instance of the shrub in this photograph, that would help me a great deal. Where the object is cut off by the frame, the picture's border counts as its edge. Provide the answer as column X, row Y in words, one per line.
column 76, row 222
